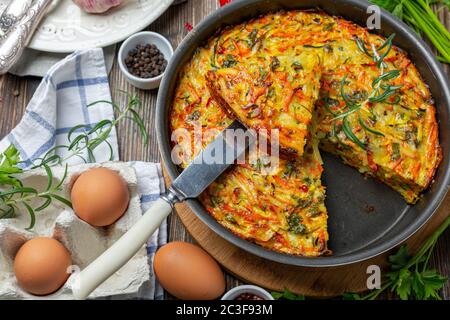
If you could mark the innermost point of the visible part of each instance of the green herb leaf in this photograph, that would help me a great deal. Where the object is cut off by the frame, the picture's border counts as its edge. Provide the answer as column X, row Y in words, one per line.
column 115, row 106
column 32, row 216
column 395, row 151
column 9, row 161
column 386, row 76
column 274, row 63
column 66, row 169
column 325, row 46
column 252, row 37
column 45, row 204
column 140, row 125
column 347, row 99
column 296, row 65
column 362, row 47
column 75, row 129
column 410, row 276
column 21, row 190
column 49, row 177
column 286, row 295
column 351, row 296
column 10, row 199
column 380, row 93
column 330, row 102
column 62, row 200
column 329, row 26
column 367, row 128
column 295, row 224
column 399, row 259
column 403, row 284
column 91, row 156
column 347, row 113
column 386, row 44
column 229, row 62
column 9, row 158
column 111, row 152
column 85, row 142
column 75, row 143
column 100, row 126
column 382, row 97
column 419, row 15
column 7, row 213
column 51, row 161
column 426, row 285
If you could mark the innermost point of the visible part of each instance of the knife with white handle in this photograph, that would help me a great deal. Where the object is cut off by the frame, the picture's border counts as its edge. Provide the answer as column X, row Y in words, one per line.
column 228, row 146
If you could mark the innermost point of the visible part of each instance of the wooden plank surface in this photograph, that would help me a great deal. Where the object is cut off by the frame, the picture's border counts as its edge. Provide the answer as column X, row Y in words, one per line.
column 15, row 93
column 311, row 282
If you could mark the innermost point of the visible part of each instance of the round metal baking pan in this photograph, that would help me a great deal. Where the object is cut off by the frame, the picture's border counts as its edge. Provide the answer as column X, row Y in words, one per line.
column 366, row 218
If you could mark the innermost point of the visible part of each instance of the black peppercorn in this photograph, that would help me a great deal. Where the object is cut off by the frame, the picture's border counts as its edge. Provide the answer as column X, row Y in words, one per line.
column 145, row 61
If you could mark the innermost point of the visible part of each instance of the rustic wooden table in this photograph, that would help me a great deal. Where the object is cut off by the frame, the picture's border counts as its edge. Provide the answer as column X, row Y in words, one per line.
column 15, row 92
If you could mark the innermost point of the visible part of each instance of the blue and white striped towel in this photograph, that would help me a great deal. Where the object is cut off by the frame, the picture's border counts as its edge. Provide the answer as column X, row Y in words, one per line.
column 59, row 103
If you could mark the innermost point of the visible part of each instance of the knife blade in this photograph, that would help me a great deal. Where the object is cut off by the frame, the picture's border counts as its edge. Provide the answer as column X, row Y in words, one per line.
column 218, row 155
column 222, row 152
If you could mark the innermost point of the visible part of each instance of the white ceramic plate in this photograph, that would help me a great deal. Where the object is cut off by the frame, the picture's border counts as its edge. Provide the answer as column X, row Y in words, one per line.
column 67, row 28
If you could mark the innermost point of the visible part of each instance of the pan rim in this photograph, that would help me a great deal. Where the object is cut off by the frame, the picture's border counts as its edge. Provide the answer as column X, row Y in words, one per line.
column 324, row 261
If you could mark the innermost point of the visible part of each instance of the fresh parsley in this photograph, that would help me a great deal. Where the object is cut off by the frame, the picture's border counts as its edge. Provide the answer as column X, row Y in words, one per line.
column 410, row 276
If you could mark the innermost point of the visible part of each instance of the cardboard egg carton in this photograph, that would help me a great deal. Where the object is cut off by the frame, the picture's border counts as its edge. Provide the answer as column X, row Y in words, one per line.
column 83, row 241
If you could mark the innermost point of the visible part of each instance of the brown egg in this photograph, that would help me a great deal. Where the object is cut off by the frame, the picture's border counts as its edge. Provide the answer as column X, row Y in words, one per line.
column 41, row 266
column 100, row 196
column 188, row 272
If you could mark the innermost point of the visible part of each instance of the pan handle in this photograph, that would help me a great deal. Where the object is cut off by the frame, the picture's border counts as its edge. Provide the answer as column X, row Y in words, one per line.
column 122, row 250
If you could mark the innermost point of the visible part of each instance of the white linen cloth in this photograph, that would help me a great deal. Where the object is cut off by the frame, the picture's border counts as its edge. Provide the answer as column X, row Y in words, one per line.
column 38, row 63
column 59, row 103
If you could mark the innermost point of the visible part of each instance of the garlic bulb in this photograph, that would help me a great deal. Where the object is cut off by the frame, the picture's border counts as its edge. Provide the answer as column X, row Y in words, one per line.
column 97, row 6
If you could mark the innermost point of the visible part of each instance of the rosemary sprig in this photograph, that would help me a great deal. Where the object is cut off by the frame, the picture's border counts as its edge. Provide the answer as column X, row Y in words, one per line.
column 84, row 139
column 9, row 161
column 12, row 199
column 381, row 90
column 410, row 276
column 419, row 15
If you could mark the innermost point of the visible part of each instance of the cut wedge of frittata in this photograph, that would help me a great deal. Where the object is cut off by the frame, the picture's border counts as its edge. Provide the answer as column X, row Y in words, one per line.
column 273, row 93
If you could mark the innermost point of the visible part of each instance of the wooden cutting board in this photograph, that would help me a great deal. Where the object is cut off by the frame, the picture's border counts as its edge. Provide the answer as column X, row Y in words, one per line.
column 313, row 282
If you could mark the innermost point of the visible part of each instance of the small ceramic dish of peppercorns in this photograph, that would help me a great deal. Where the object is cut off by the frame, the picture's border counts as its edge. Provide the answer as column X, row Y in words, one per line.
column 247, row 292
column 143, row 58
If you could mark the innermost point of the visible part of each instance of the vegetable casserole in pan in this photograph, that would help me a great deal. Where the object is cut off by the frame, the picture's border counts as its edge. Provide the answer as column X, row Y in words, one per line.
column 322, row 82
